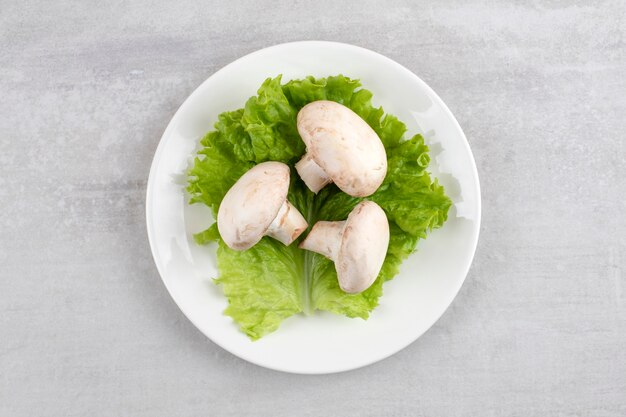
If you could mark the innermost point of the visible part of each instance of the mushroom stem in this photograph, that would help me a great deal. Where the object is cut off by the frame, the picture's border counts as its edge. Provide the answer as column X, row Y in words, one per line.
column 312, row 174
column 287, row 225
column 325, row 239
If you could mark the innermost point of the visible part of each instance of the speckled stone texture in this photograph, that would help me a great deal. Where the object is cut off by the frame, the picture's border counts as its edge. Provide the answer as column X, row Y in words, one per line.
column 88, row 329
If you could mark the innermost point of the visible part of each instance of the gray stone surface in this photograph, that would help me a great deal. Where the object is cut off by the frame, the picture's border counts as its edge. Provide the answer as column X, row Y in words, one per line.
column 87, row 328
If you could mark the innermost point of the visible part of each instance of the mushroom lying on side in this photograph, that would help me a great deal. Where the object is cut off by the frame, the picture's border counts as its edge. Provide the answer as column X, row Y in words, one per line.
column 341, row 148
column 358, row 245
column 257, row 206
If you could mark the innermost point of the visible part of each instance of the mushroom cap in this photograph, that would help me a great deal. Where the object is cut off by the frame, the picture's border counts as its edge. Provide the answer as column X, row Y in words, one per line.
column 251, row 205
column 363, row 247
column 344, row 145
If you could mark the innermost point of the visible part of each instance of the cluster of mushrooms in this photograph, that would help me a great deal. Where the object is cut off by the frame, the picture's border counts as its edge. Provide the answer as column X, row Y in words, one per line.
column 341, row 148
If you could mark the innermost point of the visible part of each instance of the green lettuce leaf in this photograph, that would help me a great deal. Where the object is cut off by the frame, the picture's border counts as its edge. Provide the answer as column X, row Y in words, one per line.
column 271, row 282
column 263, row 284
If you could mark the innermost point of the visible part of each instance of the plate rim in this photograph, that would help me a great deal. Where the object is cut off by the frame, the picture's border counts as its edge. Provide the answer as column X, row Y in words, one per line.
column 173, row 121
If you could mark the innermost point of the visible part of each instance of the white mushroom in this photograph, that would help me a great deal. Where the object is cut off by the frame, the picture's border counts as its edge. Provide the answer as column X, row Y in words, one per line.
column 257, row 206
column 341, row 148
column 358, row 245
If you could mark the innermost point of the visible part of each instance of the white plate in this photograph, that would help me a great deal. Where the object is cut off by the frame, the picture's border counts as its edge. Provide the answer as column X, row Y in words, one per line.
column 322, row 343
